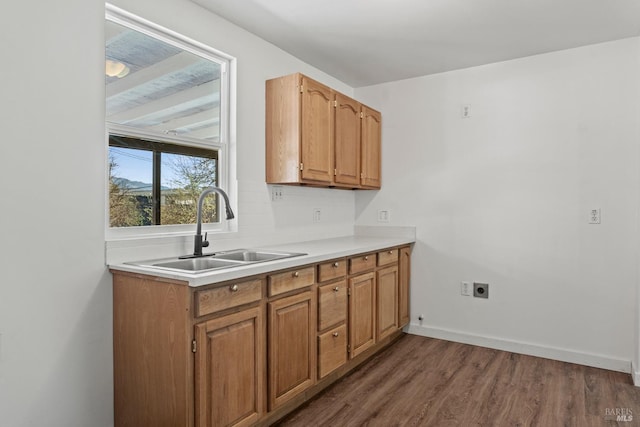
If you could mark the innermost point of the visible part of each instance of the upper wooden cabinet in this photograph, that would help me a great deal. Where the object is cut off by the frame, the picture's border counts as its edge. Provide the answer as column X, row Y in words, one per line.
column 317, row 136
column 348, row 141
column 317, row 131
column 371, row 148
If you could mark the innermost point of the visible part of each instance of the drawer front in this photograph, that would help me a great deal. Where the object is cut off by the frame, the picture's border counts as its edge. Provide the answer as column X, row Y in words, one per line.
column 387, row 257
column 362, row 263
column 332, row 350
column 332, row 270
column 332, row 304
column 291, row 280
column 224, row 297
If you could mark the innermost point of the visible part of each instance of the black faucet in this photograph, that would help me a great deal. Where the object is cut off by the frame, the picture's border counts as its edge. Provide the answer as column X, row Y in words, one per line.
column 199, row 242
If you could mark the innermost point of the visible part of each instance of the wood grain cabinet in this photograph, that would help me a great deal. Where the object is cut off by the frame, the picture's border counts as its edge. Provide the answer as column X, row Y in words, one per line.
column 387, row 301
column 317, row 136
column 332, row 317
column 229, row 370
column 248, row 351
column 292, row 347
column 371, row 173
column 404, row 273
column 362, row 313
column 348, row 141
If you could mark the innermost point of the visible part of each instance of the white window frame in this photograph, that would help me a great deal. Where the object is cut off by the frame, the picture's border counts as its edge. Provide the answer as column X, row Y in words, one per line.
column 226, row 173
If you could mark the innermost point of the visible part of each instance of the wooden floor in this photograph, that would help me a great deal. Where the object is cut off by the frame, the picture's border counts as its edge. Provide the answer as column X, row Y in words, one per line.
column 428, row 382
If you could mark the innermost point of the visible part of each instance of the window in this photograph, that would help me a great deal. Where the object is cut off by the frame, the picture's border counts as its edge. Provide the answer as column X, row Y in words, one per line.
column 167, row 109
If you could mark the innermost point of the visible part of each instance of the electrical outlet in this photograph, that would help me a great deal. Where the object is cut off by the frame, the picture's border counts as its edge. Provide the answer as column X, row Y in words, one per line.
column 384, row 215
column 465, row 289
column 594, row 216
column 276, row 193
column 317, row 215
column 480, row 290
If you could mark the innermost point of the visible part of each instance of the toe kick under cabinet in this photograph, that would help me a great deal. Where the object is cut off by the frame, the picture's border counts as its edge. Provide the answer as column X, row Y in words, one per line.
column 247, row 352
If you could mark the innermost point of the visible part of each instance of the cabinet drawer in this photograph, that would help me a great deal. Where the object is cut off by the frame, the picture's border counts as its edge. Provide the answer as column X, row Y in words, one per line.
column 387, row 257
column 291, row 280
column 332, row 270
column 332, row 350
column 332, row 304
column 362, row 263
column 231, row 295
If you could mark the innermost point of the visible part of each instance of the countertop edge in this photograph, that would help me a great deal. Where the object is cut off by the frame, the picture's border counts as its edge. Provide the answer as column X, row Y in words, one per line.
column 316, row 250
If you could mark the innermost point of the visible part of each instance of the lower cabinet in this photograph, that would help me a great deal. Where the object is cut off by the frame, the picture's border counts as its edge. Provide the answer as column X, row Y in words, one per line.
column 292, row 349
column 229, row 370
column 404, row 267
column 247, row 351
column 332, row 323
column 387, row 290
column 362, row 313
column 332, row 350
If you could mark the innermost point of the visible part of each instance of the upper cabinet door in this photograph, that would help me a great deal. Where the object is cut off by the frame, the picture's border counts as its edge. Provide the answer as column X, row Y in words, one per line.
column 371, row 148
column 348, row 132
column 317, row 131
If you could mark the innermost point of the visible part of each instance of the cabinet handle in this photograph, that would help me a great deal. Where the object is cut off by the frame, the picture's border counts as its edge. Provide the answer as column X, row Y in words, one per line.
column 335, row 334
column 233, row 288
column 366, row 258
column 296, row 274
column 336, row 265
column 336, row 289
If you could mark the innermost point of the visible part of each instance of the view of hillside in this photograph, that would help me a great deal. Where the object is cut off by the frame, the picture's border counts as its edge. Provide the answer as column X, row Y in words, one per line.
column 132, row 203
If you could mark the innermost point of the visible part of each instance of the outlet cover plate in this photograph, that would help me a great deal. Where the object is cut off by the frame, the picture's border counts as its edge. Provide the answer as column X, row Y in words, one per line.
column 465, row 289
column 480, row 290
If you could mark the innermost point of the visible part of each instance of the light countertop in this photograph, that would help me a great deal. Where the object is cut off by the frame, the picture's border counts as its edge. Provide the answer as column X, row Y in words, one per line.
column 316, row 250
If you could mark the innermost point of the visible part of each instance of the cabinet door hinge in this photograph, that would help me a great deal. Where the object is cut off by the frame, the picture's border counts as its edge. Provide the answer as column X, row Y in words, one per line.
column 194, row 346
column 361, row 115
column 349, row 349
column 361, row 175
column 349, row 292
column 301, row 89
column 335, row 172
column 335, row 104
column 301, row 166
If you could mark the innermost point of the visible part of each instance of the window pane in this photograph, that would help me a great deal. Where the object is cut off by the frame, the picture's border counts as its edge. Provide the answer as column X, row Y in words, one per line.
column 130, row 187
column 182, row 180
column 156, row 183
column 153, row 85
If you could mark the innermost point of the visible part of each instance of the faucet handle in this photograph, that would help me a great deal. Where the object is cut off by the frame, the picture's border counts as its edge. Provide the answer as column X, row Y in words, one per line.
column 205, row 242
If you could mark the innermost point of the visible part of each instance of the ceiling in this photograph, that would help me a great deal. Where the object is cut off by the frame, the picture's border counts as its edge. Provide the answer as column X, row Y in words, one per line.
column 365, row 42
column 165, row 90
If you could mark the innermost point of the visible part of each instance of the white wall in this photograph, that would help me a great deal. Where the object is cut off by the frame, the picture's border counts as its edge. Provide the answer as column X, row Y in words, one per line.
column 503, row 197
column 55, row 292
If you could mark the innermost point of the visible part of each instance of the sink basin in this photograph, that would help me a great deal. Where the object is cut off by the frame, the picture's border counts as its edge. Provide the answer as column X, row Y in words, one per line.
column 219, row 260
column 196, row 264
column 251, row 255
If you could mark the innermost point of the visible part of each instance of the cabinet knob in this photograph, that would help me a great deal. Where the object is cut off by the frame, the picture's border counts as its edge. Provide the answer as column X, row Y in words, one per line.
column 296, row 274
column 390, row 252
column 233, row 288
column 335, row 334
column 336, row 265
column 336, row 289
column 366, row 258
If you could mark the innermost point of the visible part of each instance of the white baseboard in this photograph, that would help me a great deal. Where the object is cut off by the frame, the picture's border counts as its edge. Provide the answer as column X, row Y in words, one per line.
column 635, row 375
column 563, row 355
